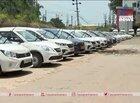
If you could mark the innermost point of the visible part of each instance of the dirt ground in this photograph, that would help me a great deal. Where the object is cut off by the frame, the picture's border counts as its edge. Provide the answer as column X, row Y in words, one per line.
column 113, row 70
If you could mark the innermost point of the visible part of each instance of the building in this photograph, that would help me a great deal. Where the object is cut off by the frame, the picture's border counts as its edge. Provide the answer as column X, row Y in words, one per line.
column 125, row 15
column 129, row 3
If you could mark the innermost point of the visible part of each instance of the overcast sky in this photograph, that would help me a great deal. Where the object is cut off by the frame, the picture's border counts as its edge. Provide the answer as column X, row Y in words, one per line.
column 91, row 11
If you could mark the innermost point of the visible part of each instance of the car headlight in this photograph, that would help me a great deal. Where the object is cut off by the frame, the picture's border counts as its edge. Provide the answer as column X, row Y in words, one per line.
column 61, row 44
column 9, row 54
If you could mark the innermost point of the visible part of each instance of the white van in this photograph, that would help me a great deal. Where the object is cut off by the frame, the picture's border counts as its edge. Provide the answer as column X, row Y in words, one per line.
column 13, row 57
column 42, row 51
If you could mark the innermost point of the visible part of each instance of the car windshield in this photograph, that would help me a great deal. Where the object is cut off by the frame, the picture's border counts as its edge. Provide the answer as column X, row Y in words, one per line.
column 64, row 35
column 30, row 36
column 102, row 34
column 86, row 34
column 94, row 34
column 54, row 31
column 108, row 33
column 47, row 34
column 81, row 34
column 4, row 39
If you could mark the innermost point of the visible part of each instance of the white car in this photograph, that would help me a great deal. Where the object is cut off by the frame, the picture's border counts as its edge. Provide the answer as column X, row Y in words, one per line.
column 66, row 46
column 103, row 40
column 42, row 51
column 13, row 57
column 122, row 35
column 88, row 43
column 98, row 43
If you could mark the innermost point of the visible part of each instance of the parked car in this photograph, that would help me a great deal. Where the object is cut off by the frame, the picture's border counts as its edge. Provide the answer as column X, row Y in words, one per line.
column 102, row 40
column 87, row 43
column 96, row 42
column 112, row 35
column 125, row 35
column 13, row 57
column 42, row 51
column 79, row 46
column 110, row 39
column 66, row 46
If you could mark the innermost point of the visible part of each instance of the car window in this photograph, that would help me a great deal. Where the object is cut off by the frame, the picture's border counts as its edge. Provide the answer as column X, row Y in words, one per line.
column 29, row 36
column 65, row 35
column 47, row 34
column 39, row 38
column 3, row 40
column 85, row 34
column 9, row 37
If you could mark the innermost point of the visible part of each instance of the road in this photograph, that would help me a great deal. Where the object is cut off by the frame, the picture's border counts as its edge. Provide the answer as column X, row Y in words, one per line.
column 113, row 70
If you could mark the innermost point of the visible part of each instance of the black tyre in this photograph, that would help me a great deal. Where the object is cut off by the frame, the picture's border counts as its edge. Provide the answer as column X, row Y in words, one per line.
column 0, row 70
column 76, row 54
column 64, row 58
column 37, row 60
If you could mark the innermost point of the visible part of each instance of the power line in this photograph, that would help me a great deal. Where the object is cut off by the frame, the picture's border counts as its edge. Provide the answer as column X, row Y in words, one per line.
column 76, row 3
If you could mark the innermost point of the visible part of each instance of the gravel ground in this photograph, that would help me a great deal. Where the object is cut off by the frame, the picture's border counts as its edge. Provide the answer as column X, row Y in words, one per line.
column 113, row 70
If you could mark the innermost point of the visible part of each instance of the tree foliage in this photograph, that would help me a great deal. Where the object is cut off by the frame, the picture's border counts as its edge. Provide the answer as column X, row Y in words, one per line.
column 115, row 3
column 20, row 10
column 56, row 22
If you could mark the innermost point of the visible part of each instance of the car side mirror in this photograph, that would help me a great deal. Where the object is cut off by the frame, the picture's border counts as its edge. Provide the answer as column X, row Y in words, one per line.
column 17, row 40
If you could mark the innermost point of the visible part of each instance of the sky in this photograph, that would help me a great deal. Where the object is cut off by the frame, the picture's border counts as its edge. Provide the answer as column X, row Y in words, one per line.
column 91, row 11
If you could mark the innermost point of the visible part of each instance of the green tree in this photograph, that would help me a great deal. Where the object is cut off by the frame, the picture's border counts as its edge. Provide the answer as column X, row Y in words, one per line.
column 20, row 9
column 115, row 3
column 56, row 22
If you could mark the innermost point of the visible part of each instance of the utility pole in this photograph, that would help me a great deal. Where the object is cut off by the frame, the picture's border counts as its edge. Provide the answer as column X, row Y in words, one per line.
column 67, row 20
column 46, row 15
column 76, row 2
column 71, row 20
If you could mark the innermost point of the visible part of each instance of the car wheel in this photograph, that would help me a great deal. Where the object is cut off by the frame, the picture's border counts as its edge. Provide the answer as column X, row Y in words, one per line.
column 37, row 60
column 64, row 58
column 0, row 70
column 76, row 54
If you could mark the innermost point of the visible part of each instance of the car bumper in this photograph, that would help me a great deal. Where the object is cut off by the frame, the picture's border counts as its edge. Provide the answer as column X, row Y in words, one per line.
column 10, row 64
column 51, row 56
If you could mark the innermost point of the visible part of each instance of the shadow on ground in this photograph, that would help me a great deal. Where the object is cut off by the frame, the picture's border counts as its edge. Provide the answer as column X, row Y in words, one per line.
column 79, row 55
column 66, row 60
column 120, row 52
column 15, row 74
column 50, row 65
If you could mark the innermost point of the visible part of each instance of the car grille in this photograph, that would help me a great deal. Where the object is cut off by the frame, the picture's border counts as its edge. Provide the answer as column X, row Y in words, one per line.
column 93, row 43
column 57, row 49
column 55, row 57
column 70, row 45
column 23, row 55
column 98, row 42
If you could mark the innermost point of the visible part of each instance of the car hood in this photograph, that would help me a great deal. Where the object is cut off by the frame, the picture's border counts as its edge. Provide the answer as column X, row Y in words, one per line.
column 99, row 38
column 76, row 40
column 89, row 39
column 45, row 43
column 16, row 48
column 60, row 41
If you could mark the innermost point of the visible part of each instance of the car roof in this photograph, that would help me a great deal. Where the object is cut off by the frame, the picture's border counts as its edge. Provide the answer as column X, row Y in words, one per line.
column 16, row 28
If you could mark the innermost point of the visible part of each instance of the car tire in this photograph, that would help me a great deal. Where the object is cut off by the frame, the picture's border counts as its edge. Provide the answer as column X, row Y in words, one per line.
column 37, row 60
column 64, row 58
column 1, row 71
column 76, row 54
